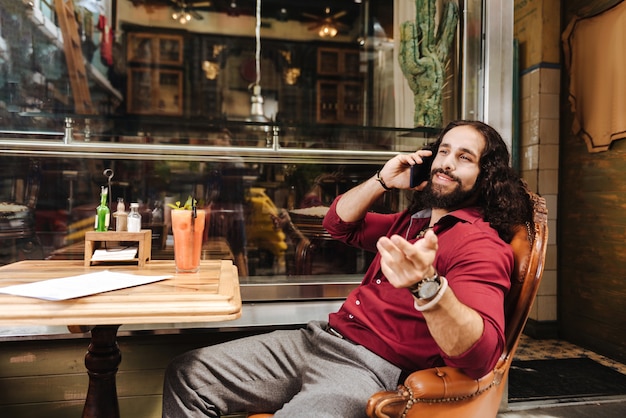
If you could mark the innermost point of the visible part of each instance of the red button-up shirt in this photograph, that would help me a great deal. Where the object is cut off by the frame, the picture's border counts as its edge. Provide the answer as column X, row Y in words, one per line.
column 477, row 264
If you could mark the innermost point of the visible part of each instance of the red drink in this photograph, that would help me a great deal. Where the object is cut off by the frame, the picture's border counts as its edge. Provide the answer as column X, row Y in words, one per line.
column 188, row 233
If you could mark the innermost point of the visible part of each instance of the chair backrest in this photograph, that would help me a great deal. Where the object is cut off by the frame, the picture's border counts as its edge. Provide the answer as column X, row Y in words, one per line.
column 529, row 246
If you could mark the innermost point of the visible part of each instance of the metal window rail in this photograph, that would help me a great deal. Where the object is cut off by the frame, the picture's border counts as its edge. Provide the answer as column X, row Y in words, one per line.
column 61, row 144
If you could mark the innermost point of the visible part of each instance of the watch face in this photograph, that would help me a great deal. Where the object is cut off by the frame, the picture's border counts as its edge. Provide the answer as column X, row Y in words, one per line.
column 429, row 289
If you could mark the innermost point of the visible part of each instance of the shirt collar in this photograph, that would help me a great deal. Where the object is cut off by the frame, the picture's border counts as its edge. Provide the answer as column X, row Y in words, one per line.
column 424, row 213
column 469, row 214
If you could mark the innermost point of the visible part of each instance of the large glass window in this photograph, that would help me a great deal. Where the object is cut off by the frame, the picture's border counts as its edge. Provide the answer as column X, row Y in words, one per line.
column 264, row 112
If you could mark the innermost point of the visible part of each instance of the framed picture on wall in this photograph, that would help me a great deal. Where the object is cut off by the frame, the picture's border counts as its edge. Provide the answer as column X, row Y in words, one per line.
column 140, row 48
column 170, row 50
column 155, row 91
column 149, row 48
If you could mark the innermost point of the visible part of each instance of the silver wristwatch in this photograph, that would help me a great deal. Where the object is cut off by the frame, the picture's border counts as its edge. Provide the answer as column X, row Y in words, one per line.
column 427, row 288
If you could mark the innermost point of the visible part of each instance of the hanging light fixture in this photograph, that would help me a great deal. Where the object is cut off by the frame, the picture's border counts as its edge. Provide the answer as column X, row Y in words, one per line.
column 182, row 13
column 257, row 113
column 328, row 29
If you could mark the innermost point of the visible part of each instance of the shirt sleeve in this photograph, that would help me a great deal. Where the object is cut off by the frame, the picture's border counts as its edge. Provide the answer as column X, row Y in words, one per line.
column 361, row 234
column 480, row 279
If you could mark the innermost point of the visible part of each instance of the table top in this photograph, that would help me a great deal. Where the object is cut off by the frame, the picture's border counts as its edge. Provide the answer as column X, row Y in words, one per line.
column 212, row 294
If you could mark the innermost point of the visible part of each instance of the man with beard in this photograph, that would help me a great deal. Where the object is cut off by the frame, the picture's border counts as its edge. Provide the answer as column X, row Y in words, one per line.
column 433, row 295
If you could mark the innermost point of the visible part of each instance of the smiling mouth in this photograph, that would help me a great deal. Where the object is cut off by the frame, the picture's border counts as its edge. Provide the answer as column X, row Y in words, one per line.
column 445, row 177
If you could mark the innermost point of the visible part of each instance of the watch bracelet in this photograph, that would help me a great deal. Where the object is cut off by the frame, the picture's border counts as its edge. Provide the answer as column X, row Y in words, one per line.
column 431, row 303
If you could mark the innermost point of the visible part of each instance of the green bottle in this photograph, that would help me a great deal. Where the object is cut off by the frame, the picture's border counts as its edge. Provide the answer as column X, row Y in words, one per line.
column 103, row 214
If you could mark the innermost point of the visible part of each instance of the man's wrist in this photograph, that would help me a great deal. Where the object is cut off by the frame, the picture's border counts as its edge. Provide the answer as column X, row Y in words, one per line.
column 379, row 179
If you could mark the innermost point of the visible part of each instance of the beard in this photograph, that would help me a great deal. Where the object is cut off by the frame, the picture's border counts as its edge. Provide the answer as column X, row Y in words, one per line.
column 433, row 195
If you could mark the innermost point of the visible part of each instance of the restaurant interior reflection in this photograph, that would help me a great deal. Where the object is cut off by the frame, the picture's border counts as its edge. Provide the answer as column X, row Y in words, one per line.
column 263, row 111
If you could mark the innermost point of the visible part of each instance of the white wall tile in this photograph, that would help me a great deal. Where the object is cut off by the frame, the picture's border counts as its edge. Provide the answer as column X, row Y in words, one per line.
column 530, row 157
column 548, row 131
column 551, row 255
column 550, row 80
column 546, row 308
column 548, row 157
column 548, row 105
column 548, row 182
column 548, row 283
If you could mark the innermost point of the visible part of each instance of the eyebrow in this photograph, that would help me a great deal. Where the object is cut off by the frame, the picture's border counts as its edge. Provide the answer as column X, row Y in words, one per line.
column 466, row 150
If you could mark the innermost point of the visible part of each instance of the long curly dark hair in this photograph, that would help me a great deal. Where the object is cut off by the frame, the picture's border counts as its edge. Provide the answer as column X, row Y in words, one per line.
column 502, row 194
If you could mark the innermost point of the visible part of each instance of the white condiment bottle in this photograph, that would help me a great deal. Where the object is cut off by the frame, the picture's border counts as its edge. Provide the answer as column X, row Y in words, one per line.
column 134, row 218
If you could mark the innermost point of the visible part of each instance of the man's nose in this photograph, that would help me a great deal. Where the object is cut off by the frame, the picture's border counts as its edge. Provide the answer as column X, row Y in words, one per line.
column 448, row 163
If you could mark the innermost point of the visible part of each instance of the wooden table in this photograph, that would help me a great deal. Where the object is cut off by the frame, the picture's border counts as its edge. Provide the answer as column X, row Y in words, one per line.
column 212, row 294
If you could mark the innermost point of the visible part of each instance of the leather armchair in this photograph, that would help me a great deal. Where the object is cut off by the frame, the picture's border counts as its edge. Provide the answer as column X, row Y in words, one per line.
column 448, row 392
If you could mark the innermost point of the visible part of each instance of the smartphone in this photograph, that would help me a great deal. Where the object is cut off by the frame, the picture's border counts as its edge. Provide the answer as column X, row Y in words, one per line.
column 421, row 172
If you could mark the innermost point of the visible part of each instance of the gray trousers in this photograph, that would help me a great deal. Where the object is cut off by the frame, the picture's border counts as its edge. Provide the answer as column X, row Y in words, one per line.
column 296, row 373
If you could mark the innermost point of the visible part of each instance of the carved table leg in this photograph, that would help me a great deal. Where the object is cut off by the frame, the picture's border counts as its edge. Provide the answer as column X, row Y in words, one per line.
column 102, row 360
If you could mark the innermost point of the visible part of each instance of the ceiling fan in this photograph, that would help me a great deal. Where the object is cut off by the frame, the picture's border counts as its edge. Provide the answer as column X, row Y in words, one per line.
column 327, row 25
column 184, row 11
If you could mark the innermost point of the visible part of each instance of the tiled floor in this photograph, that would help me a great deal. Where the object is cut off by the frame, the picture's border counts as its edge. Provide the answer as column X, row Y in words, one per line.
column 530, row 349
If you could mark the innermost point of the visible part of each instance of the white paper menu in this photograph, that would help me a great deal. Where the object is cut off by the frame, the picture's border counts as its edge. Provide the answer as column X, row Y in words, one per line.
column 78, row 286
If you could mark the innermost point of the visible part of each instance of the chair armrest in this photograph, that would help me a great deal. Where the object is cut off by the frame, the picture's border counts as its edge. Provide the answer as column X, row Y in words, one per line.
column 446, row 383
column 435, row 385
column 387, row 404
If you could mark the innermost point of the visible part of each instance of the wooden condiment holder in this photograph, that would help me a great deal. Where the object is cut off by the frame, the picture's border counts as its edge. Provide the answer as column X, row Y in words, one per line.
column 143, row 238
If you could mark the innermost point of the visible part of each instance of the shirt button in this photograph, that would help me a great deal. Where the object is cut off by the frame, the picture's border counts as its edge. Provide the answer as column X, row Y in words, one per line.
column 351, row 316
column 378, row 281
column 358, row 302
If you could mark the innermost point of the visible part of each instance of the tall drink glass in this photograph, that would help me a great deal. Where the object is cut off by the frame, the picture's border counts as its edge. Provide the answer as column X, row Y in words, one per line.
column 188, row 233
